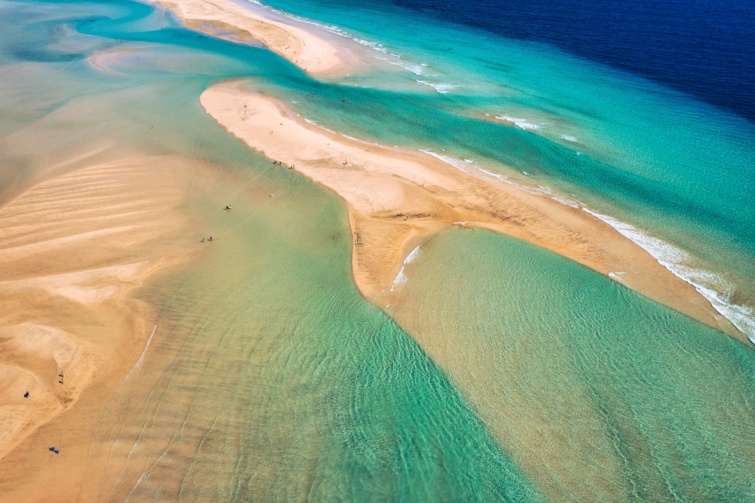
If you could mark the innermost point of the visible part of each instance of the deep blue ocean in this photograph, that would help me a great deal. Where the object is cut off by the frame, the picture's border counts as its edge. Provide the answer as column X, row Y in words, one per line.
column 704, row 48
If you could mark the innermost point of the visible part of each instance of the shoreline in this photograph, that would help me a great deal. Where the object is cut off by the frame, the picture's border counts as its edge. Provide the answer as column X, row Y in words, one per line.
column 75, row 248
column 396, row 198
column 315, row 54
column 310, row 51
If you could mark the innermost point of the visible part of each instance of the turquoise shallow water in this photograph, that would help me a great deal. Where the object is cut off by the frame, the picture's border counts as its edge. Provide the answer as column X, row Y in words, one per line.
column 512, row 374
column 311, row 392
column 573, row 371
column 675, row 168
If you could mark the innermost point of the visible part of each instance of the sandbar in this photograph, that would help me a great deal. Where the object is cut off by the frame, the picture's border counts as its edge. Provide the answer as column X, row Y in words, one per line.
column 310, row 49
column 396, row 198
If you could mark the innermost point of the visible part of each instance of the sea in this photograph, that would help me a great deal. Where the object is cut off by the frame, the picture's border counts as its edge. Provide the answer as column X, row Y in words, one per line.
column 505, row 372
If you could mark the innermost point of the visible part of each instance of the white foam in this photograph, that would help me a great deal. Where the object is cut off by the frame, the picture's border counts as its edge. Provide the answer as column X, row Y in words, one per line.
column 440, row 87
column 414, row 255
column 566, row 201
column 388, row 57
column 401, row 278
column 568, row 137
column 710, row 285
column 616, row 276
column 318, row 125
column 519, row 122
column 456, row 163
column 471, row 168
column 412, row 67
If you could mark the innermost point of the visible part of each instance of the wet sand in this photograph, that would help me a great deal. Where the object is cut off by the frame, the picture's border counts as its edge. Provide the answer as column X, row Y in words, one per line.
column 73, row 249
column 77, row 244
column 310, row 49
column 397, row 198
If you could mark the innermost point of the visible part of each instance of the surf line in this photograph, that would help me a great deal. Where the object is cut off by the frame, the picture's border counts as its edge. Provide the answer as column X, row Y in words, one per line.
column 401, row 278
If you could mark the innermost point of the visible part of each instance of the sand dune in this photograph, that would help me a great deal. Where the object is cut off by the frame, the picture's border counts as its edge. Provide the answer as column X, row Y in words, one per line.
column 72, row 248
column 398, row 198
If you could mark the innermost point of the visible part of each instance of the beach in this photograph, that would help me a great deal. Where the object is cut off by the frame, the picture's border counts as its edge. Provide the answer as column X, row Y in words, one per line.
column 398, row 199
column 218, row 284
column 75, row 247
column 308, row 48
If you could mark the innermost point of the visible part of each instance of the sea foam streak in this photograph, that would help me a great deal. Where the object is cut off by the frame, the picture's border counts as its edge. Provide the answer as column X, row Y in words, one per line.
column 519, row 122
column 387, row 56
column 440, row 87
column 708, row 284
column 666, row 254
column 401, row 277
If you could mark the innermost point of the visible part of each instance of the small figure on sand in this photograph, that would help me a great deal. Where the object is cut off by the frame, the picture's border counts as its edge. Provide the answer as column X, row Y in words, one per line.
column 228, row 207
column 55, row 449
column 209, row 239
column 202, row 240
column 26, row 395
column 60, row 375
column 271, row 194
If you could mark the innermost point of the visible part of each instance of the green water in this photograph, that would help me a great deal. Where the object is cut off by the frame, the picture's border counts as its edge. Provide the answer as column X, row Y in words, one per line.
column 504, row 373
column 285, row 384
column 632, row 400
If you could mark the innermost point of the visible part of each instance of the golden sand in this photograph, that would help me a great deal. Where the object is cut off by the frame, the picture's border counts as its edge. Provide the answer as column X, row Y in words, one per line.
column 308, row 49
column 72, row 249
column 397, row 198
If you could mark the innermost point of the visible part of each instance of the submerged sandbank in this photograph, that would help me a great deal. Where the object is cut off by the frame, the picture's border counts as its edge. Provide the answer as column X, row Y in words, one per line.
column 397, row 198
column 307, row 49
column 73, row 248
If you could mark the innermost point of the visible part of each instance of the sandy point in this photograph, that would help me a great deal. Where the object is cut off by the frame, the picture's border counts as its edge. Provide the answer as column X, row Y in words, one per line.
column 398, row 198
column 309, row 47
